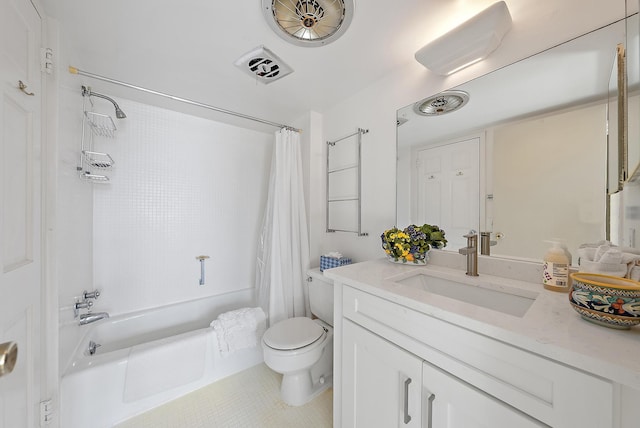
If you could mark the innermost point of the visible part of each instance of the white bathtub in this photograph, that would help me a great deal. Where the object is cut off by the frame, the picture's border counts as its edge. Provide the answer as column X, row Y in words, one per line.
column 146, row 359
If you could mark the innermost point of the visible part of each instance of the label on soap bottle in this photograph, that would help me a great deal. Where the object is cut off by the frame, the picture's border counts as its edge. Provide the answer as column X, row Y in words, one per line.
column 555, row 276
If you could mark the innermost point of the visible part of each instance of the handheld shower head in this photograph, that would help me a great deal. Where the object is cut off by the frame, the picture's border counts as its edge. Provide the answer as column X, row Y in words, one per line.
column 86, row 91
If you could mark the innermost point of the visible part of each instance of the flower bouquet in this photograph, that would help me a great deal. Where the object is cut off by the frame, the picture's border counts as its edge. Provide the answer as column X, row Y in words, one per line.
column 412, row 244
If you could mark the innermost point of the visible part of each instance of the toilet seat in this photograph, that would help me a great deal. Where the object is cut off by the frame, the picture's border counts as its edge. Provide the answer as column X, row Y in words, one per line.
column 293, row 333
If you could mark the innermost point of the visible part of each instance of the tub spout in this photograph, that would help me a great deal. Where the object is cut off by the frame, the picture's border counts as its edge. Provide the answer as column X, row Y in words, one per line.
column 90, row 317
column 93, row 347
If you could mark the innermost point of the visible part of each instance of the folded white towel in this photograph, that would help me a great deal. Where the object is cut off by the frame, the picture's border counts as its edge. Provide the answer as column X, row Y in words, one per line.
column 333, row 255
column 600, row 251
column 587, row 253
column 606, row 258
column 614, row 269
column 239, row 329
column 611, row 255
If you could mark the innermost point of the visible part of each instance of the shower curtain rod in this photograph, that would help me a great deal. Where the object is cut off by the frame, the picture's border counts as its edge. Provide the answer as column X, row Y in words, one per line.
column 74, row 70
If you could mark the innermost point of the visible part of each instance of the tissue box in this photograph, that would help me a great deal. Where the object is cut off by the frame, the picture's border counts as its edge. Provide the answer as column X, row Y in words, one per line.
column 330, row 262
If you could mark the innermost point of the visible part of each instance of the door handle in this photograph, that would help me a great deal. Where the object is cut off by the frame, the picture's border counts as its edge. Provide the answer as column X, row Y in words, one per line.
column 8, row 357
column 407, row 417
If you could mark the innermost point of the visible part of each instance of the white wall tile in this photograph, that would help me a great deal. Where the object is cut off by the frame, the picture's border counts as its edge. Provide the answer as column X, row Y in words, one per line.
column 181, row 186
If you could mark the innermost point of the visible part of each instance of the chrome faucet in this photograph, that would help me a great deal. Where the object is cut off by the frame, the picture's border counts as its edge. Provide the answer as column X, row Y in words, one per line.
column 486, row 243
column 90, row 317
column 93, row 347
column 471, row 251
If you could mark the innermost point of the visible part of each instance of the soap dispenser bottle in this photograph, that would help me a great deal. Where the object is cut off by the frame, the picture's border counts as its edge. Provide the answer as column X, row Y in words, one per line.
column 555, row 273
column 563, row 245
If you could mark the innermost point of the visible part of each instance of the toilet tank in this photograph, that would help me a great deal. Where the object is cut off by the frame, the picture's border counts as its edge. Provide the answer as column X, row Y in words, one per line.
column 320, row 295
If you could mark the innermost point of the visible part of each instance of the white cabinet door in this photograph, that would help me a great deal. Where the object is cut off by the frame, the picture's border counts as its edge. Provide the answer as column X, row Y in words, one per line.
column 381, row 382
column 452, row 403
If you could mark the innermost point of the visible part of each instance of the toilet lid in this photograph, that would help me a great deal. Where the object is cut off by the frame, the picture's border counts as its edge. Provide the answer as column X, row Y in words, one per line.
column 293, row 333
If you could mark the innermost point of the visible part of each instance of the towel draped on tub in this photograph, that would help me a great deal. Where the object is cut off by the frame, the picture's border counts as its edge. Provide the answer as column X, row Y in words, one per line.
column 239, row 329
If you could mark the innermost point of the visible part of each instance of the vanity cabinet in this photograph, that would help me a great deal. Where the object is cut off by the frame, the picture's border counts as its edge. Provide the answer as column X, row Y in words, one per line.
column 399, row 364
column 383, row 387
column 390, row 387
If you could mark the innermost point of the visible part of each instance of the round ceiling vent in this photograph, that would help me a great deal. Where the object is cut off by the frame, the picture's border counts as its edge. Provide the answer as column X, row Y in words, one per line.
column 442, row 103
column 308, row 22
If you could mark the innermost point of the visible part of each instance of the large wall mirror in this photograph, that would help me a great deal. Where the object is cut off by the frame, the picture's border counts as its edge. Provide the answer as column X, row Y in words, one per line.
column 527, row 154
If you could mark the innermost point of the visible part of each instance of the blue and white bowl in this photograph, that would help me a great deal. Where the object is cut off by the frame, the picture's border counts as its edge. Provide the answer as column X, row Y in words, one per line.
column 606, row 300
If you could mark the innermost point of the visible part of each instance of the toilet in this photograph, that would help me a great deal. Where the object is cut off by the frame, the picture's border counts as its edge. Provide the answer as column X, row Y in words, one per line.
column 301, row 348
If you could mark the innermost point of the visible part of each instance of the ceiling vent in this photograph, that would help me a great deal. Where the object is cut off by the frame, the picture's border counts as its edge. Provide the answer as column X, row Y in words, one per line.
column 442, row 103
column 308, row 22
column 263, row 65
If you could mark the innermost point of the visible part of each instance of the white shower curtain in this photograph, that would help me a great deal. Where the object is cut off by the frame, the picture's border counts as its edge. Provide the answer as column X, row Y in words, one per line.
column 283, row 251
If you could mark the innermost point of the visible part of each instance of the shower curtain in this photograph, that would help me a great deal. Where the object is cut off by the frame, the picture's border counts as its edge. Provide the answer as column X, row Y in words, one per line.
column 283, row 251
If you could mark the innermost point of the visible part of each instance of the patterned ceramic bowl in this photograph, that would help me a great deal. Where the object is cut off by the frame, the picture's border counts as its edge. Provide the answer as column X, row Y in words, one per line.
column 606, row 300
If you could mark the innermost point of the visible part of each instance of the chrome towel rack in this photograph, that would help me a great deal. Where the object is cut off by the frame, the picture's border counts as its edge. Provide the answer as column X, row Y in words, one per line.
column 345, row 173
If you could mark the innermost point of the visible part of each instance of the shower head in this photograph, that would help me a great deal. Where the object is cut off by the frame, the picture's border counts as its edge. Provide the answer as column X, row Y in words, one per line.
column 119, row 113
column 88, row 92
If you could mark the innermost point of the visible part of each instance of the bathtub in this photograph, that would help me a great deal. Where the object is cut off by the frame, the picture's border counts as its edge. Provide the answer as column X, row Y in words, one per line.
column 146, row 359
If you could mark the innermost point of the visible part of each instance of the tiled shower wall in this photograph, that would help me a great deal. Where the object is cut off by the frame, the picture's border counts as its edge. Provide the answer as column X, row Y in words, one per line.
column 181, row 187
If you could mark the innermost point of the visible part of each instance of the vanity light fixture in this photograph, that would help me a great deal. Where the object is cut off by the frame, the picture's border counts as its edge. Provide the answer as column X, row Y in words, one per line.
column 308, row 22
column 468, row 43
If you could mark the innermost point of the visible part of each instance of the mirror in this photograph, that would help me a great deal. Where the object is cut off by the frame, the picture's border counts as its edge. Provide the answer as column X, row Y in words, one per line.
column 525, row 158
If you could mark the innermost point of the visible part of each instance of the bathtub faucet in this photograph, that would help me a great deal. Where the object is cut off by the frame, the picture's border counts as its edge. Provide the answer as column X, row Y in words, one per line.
column 90, row 317
column 93, row 347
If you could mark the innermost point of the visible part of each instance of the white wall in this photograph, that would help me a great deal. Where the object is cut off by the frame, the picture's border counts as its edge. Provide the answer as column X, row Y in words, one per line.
column 548, row 181
column 181, row 187
column 375, row 108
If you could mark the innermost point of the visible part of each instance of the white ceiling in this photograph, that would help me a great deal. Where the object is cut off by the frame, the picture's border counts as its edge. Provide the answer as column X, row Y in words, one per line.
column 187, row 48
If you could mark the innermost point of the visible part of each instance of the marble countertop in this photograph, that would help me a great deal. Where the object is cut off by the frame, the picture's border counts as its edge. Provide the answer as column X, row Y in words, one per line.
column 550, row 327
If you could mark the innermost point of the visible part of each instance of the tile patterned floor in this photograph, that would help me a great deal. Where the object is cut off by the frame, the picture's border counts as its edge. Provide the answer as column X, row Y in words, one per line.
column 250, row 399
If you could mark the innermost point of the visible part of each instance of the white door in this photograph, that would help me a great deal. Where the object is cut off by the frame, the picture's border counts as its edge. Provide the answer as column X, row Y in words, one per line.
column 20, row 210
column 449, row 189
column 381, row 383
column 452, row 403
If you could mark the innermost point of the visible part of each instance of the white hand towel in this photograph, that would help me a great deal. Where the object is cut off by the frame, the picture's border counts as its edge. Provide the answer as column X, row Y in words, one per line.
column 611, row 256
column 334, row 255
column 587, row 253
column 633, row 266
column 600, row 251
column 239, row 329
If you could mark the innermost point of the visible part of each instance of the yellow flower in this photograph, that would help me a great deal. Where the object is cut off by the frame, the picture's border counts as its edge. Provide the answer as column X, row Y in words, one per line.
column 409, row 257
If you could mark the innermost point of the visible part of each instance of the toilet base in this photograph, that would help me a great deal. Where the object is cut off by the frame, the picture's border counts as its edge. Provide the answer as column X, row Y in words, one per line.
column 298, row 388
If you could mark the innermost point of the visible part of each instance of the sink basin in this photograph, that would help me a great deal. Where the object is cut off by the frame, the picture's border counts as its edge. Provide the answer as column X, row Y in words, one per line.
column 507, row 300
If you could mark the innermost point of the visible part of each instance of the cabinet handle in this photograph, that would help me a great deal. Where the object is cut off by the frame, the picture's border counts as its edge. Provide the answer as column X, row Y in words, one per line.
column 430, row 409
column 407, row 418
